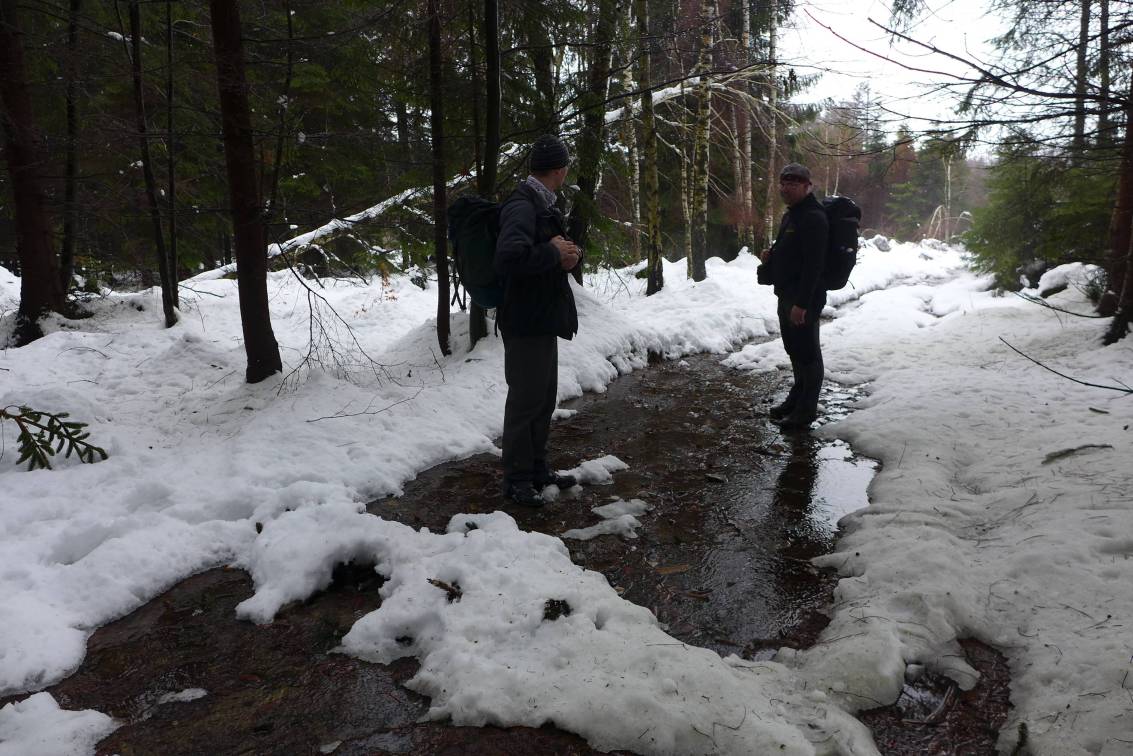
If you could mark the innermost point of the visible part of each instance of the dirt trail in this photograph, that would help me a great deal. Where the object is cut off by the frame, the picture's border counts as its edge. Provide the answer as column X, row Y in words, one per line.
column 721, row 559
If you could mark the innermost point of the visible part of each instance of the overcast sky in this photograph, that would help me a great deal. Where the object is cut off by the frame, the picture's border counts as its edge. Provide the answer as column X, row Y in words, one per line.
column 959, row 26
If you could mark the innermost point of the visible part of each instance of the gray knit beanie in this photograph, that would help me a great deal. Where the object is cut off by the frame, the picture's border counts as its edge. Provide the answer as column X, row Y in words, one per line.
column 548, row 152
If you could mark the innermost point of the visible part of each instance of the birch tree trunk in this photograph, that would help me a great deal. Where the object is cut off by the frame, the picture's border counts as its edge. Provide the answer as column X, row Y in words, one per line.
column 772, row 131
column 747, row 235
column 655, row 281
column 629, row 138
column 247, row 211
column 40, row 288
column 440, row 201
column 699, row 208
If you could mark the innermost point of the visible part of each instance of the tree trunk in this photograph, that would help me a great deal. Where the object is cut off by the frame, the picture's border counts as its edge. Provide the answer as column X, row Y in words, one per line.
column 173, row 261
column 492, row 104
column 655, row 281
column 1105, row 137
column 474, row 74
column 542, row 61
column 402, row 126
column 1121, row 220
column 699, row 230
column 440, row 202
column 769, row 224
column 71, row 167
column 40, row 287
column 686, row 182
column 592, row 139
column 135, row 52
column 1081, row 78
column 629, row 138
column 247, row 213
column 747, row 194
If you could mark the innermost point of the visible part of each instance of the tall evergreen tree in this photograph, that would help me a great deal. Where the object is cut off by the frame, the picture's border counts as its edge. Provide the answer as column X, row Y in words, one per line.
column 247, row 211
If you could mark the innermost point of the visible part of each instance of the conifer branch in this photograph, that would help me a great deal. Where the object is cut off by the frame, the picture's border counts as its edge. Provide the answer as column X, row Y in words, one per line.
column 44, row 434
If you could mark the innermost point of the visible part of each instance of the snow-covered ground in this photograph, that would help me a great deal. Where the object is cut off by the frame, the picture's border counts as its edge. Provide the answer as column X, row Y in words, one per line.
column 1001, row 512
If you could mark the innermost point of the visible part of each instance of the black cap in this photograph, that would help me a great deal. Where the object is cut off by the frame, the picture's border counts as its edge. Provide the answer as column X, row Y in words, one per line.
column 795, row 170
column 548, row 152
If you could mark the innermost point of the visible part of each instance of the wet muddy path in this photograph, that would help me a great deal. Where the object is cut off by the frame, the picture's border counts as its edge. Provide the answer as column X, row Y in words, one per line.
column 738, row 509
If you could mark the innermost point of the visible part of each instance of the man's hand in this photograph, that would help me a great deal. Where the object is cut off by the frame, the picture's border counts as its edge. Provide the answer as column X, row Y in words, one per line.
column 798, row 315
column 568, row 252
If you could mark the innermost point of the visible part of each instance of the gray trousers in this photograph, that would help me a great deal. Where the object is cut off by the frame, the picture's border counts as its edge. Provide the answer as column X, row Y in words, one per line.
column 531, row 369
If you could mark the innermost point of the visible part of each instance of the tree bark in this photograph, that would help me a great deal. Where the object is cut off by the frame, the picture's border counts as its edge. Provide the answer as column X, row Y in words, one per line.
column 747, row 192
column 247, row 212
column 697, row 269
column 769, row 224
column 1121, row 221
column 655, row 281
column 492, row 103
column 172, row 199
column 1105, row 137
column 542, row 61
column 592, row 140
column 474, row 74
column 440, row 201
column 71, row 167
column 1081, row 78
column 40, row 287
column 629, row 138
column 135, row 52
column 486, row 181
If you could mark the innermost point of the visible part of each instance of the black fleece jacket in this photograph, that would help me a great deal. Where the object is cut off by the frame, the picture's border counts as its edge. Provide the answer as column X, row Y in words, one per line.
column 798, row 254
column 538, row 300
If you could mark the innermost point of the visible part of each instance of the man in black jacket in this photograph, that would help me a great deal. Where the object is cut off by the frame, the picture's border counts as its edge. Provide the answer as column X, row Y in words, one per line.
column 793, row 266
column 533, row 258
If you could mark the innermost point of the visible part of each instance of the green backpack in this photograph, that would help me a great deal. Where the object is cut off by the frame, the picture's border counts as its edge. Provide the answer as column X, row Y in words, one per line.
column 473, row 225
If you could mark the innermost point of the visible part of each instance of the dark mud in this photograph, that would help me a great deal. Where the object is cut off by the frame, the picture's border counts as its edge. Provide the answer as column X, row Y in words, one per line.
column 721, row 559
column 935, row 718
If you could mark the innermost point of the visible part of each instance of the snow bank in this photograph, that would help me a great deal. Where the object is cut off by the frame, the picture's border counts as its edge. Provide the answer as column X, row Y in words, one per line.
column 37, row 726
column 1001, row 511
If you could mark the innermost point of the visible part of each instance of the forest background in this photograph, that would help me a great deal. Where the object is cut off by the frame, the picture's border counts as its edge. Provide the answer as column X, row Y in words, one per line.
column 148, row 141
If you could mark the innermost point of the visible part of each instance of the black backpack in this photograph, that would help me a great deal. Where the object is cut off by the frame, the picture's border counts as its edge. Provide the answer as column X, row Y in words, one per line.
column 844, row 217
column 473, row 225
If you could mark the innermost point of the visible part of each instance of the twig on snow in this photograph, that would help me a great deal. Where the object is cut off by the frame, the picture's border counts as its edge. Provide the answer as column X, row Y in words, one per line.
column 1123, row 389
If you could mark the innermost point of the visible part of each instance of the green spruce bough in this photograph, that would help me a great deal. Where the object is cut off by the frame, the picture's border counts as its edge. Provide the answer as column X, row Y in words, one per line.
column 43, row 435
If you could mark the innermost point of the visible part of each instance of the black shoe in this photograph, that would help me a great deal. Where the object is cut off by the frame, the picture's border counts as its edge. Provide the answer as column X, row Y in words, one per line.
column 779, row 411
column 796, row 421
column 562, row 481
column 524, row 494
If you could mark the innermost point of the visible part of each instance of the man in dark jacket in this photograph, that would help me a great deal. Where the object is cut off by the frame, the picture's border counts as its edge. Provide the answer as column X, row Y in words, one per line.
column 793, row 266
column 533, row 258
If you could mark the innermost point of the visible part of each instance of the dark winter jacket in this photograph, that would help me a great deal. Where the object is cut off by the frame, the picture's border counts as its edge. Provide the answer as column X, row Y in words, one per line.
column 538, row 300
column 795, row 265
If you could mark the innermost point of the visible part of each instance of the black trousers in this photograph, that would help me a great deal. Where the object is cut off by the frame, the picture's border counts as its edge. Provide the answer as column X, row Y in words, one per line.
column 805, row 351
column 801, row 342
column 531, row 369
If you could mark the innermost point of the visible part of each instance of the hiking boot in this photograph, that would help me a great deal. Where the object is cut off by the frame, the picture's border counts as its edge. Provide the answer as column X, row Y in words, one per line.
column 796, row 421
column 554, row 479
column 524, row 494
column 780, row 411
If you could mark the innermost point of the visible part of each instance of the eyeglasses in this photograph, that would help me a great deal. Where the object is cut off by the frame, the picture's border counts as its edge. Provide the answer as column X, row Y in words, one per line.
column 792, row 180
